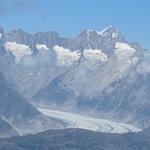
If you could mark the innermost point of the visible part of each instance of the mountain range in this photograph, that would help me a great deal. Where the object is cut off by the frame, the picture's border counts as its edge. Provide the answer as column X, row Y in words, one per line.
column 97, row 73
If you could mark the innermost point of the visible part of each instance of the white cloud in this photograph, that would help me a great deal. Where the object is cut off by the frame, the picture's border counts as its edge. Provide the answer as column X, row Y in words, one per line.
column 18, row 50
column 95, row 54
column 65, row 56
column 124, row 51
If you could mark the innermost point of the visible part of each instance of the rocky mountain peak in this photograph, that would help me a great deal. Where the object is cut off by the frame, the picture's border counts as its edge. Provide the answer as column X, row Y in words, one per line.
column 113, row 33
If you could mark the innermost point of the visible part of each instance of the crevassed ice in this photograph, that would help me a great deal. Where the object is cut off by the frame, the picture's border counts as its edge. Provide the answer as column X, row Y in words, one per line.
column 18, row 50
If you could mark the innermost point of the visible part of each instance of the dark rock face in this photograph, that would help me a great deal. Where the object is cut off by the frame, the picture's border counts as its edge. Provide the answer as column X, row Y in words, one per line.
column 77, row 139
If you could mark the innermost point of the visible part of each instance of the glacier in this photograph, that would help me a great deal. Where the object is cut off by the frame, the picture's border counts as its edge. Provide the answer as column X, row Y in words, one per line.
column 90, row 123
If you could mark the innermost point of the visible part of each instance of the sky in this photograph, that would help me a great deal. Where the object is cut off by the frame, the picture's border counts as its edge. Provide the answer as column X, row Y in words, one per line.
column 70, row 17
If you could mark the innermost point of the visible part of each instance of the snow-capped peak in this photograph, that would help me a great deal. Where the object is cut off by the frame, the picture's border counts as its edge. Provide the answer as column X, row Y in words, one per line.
column 110, row 30
column 102, row 32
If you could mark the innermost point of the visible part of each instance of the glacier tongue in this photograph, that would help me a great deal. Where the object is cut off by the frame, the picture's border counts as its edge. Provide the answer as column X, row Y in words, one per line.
column 85, row 122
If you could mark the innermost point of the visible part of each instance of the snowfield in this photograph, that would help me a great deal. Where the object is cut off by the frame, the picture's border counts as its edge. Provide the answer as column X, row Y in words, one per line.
column 95, row 124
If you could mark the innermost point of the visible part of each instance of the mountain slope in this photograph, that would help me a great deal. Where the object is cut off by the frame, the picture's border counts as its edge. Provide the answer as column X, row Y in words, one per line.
column 102, row 91
column 21, row 114
column 6, row 129
column 77, row 139
column 24, row 55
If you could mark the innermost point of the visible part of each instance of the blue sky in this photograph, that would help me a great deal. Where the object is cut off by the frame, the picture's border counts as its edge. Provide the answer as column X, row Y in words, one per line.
column 70, row 17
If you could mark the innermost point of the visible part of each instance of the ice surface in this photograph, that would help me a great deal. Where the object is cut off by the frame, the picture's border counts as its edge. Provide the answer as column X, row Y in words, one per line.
column 90, row 123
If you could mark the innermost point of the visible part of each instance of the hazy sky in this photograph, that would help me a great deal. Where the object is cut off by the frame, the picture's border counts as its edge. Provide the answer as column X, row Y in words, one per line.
column 70, row 17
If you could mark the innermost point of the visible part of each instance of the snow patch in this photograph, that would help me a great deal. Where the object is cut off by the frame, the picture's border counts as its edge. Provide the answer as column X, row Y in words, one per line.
column 18, row 50
column 95, row 54
column 65, row 56
column 115, row 34
column 89, row 31
column 104, row 31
